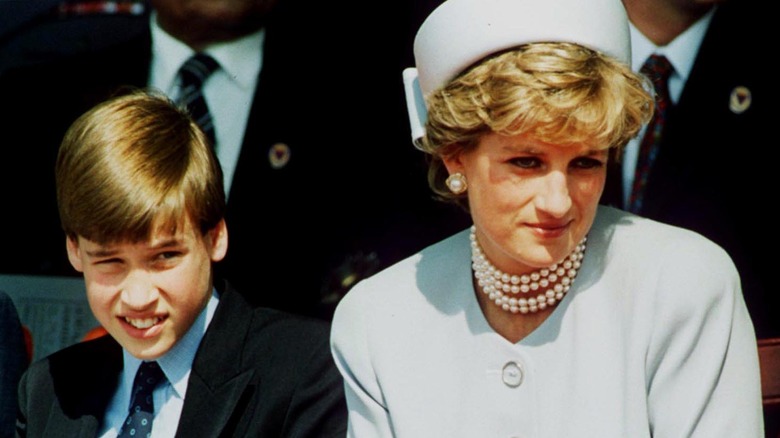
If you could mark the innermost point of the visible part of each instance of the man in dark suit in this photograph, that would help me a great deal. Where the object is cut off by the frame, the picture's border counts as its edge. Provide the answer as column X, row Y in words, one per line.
column 142, row 205
column 13, row 361
column 712, row 170
column 324, row 121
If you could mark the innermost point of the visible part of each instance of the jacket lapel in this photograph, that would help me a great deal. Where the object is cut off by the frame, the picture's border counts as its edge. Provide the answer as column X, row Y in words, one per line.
column 83, row 400
column 219, row 383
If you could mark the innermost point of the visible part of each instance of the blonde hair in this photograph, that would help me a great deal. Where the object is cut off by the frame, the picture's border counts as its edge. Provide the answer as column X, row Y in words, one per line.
column 134, row 164
column 560, row 93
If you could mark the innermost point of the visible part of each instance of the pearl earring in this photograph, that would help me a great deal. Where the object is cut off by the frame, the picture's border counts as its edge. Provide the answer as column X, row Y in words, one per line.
column 457, row 183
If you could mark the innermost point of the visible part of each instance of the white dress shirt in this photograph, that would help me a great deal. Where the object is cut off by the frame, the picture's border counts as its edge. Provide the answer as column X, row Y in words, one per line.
column 681, row 53
column 168, row 396
column 229, row 91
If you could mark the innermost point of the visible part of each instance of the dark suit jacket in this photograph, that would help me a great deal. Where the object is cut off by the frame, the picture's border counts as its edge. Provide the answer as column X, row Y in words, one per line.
column 714, row 173
column 342, row 202
column 13, row 361
column 256, row 373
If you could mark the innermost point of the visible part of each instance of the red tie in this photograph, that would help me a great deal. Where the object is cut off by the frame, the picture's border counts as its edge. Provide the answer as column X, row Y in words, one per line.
column 658, row 69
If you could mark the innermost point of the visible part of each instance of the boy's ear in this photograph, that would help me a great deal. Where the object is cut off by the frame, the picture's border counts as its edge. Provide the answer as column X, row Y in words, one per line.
column 218, row 237
column 74, row 253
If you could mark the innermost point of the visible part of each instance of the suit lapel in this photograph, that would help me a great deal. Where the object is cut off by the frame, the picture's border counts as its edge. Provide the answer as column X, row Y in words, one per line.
column 219, row 381
column 83, row 399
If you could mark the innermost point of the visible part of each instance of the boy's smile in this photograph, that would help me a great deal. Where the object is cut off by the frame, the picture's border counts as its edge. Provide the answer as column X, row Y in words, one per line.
column 147, row 294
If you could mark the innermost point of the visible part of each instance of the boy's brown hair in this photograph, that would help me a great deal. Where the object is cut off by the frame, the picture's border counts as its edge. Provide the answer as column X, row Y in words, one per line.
column 135, row 164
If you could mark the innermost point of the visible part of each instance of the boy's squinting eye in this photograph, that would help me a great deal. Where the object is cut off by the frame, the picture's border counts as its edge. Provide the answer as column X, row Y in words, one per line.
column 526, row 162
column 107, row 261
column 168, row 255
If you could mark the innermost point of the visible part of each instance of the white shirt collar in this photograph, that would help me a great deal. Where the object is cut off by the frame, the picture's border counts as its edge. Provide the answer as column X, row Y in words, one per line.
column 681, row 52
column 241, row 59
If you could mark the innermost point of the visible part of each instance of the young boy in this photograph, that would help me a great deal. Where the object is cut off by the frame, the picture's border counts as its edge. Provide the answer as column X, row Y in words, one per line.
column 142, row 204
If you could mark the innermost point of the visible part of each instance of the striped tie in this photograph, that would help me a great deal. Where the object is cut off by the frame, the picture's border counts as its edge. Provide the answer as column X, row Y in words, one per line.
column 658, row 69
column 193, row 74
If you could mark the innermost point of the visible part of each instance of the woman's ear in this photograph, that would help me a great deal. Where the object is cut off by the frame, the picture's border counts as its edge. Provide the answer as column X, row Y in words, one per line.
column 454, row 162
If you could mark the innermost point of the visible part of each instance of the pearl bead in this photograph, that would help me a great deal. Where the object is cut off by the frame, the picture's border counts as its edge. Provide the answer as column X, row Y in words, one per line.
column 552, row 282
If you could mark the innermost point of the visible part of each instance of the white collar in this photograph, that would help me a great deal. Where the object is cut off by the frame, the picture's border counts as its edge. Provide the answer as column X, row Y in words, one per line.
column 681, row 52
column 240, row 59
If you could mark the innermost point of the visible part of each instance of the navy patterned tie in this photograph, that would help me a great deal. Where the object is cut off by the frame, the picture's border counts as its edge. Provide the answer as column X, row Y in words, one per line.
column 658, row 69
column 193, row 75
column 139, row 420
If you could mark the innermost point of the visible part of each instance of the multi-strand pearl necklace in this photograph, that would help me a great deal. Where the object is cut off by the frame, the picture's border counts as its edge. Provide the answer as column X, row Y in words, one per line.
column 550, row 283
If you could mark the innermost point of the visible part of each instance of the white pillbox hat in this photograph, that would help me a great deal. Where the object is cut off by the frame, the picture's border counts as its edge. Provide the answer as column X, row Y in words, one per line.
column 459, row 33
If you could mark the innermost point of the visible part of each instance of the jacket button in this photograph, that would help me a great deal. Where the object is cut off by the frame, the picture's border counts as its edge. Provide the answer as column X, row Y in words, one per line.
column 512, row 375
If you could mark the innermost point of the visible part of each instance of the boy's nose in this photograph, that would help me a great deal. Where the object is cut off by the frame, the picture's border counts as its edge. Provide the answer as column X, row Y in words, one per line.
column 138, row 292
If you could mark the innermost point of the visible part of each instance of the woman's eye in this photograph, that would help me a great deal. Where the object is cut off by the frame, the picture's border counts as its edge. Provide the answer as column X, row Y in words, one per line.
column 587, row 163
column 526, row 162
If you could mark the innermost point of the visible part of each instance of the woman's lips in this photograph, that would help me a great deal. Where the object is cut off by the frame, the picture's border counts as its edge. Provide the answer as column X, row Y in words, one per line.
column 550, row 229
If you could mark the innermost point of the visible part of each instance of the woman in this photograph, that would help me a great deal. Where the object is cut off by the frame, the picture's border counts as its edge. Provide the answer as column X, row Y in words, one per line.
column 551, row 317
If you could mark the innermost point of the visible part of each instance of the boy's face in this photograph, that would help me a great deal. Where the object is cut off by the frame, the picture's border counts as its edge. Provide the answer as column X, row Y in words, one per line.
column 148, row 294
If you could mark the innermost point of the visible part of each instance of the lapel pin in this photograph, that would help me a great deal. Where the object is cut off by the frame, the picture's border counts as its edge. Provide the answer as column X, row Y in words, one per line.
column 740, row 99
column 279, row 155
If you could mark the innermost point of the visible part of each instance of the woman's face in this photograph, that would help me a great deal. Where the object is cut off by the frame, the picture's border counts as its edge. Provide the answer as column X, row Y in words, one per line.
column 531, row 201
